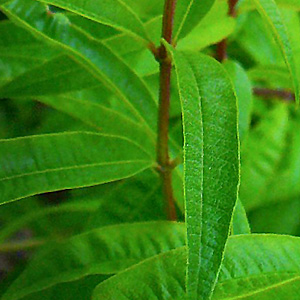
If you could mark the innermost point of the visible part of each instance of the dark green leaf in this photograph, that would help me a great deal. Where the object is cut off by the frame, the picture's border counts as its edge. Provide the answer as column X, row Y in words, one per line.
column 102, row 251
column 47, row 163
column 103, row 119
column 91, row 53
column 211, row 165
column 59, row 75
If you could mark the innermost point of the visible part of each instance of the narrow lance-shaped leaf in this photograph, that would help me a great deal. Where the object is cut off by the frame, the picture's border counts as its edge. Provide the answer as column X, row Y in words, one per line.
column 92, row 54
column 58, row 75
column 211, row 158
column 242, row 276
column 103, row 119
column 270, row 12
column 114, row 13
column 188, row 14
column 107, row 250
column 20, row 51
column 38, row 164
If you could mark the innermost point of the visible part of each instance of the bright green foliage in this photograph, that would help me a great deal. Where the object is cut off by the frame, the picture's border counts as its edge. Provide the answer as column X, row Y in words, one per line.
column 99, row 59
column 257, row 169
column 242, row 275
column 188, row 14
column 210, row 183
column 160, row 277
column 272, row 16
column 83, row 86
column 77, row 160
column 214, row 27
column 76, row 258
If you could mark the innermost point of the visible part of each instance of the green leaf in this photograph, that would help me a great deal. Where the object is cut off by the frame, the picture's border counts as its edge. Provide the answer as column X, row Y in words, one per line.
column 20, row 51
column 160, row 277
column 102, row 251
column 271, row 14
column 81, row 289
column 243, row 275
column 114, row 13
column 260, row 162
column 211, row 165
column 271, row 76
column 38, row 164
column 260, row 267
column 59, row 75
column 103, row 119
column 13, row 226
column 285, row 4
column 243, row 90
column 188, row 14
column 98, row 59
column 140, row 195
column 257, row 40
column 213, row 28
column 240, row 224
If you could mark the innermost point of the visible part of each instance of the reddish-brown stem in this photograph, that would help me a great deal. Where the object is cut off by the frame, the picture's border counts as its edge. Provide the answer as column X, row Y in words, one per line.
column 222, row 46
column 269, row 93
column 163, row 158
column 232, row 4
column 222, row 50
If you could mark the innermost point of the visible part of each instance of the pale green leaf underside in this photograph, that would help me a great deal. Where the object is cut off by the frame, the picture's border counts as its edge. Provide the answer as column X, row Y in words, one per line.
column 107, row 250
column 211, row 165
column 114, row 13
column 98, row 59
column 242, row 276
column 271, row 14
column 53, row 162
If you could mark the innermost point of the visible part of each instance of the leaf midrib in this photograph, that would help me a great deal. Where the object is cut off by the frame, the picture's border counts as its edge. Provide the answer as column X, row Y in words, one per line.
column 75, row 167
